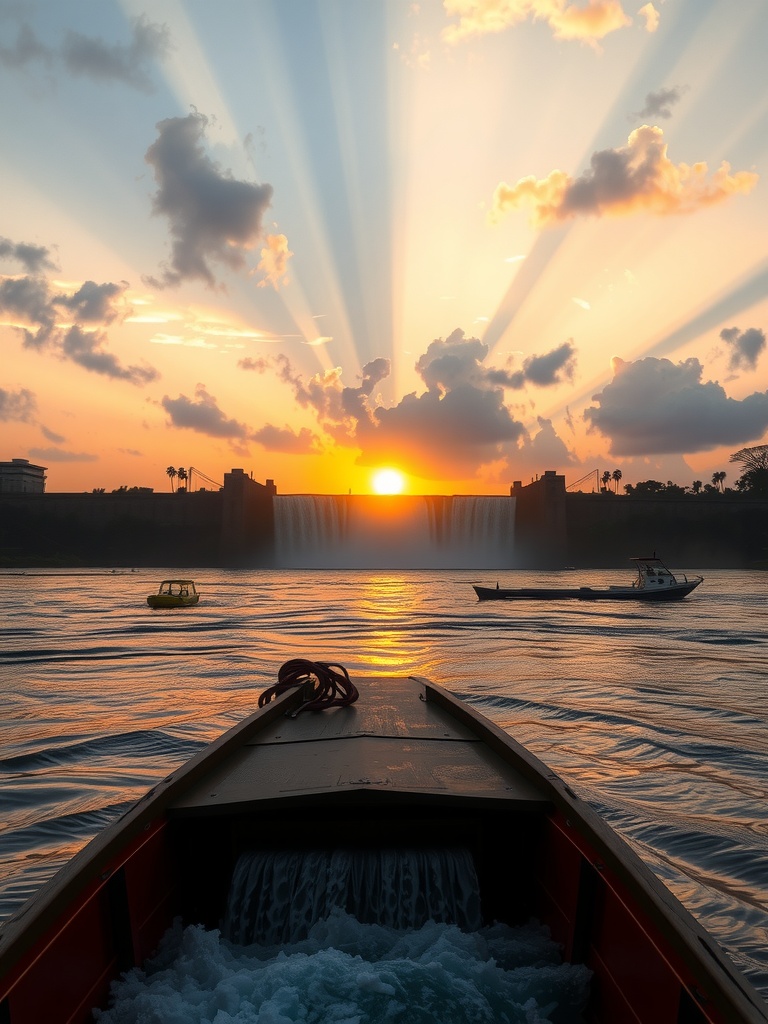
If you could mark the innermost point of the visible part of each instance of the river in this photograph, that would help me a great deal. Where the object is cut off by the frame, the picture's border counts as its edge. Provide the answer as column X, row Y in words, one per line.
column 656, row 714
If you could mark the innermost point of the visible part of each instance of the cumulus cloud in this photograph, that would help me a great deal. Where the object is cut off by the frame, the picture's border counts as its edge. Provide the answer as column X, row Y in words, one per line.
column 745, row 346
column 458, row 424
column 19, row 406
column 203, row 414
column 287, row 440
column 651, row 16
column 274, row 261
column 659, row 104
column 59, row 455
column 568, row 20
column 34, row 258
column 213, row 218
column 70, row 325
column 638, row 177
column 86, row 348
column 653, row 406
column 90, row 56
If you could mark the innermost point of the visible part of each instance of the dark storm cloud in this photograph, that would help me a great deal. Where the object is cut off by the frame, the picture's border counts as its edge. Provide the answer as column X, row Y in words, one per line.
column 34, row 258
column 659, row 104
column 85, row 349
column 90, row 56
column 653, row 406
column 86, row 55
column 745, row 346
column 212, row 217
column 203, row 415
column 19, row 406
column 551, row 368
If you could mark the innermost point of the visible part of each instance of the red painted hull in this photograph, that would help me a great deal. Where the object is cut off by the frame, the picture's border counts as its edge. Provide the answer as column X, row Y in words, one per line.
column 382, row 771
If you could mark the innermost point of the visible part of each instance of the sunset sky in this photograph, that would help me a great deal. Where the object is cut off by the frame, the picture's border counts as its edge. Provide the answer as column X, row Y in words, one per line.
column 470, row 240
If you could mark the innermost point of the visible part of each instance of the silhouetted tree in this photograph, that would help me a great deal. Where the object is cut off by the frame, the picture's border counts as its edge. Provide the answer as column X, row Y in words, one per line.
column 181, row 473
column 606, row 479
column 617, row 475
column 718, row 479
column 755, row 462
column 696, row 486
column 171, row 473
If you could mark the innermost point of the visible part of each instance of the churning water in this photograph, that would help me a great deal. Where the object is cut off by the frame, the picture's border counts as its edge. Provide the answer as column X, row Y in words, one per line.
column 656, row 714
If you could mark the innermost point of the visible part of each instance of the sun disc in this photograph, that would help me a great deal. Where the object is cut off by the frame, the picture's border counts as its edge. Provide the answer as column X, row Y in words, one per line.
column 388, row 481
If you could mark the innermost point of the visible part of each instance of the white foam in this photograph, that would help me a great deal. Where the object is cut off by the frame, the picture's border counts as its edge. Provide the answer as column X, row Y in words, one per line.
column 345, row 972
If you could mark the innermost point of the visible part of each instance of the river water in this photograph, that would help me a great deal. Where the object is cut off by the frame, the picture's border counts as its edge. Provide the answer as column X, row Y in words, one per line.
column 657, row 714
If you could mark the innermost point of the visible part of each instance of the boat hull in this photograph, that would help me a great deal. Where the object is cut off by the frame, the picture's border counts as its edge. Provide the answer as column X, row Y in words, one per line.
column 671, row 593
column 408, row 765
column 169, row 601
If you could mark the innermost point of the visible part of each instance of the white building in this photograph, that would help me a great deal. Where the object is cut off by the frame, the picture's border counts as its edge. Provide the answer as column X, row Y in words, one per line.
column 19, row 476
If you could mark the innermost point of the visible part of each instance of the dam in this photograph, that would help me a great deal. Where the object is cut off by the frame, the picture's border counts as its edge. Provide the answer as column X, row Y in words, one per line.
column 324, row 531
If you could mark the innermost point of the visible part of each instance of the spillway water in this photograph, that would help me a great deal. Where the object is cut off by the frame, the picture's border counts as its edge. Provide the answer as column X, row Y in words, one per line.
column 277, row 896
column 324, row 531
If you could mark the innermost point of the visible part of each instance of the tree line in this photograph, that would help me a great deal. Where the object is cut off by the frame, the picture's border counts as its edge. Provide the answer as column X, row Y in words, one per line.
column 753, row 480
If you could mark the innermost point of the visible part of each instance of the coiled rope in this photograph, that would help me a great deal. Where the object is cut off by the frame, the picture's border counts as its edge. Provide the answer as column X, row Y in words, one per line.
column 331, row 685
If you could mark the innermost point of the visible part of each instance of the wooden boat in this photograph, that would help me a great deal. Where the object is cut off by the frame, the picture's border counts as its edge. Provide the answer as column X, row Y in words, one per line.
column 654, row 582
column 174, row 594
column 406, row 766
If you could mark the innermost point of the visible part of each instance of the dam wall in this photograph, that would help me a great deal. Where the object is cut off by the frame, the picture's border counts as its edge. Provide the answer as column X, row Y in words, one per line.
column 246, row 524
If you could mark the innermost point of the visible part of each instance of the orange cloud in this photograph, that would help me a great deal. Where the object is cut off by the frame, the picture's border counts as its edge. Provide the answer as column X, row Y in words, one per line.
column 638, row 177
column 274, row 261
column 567, row 20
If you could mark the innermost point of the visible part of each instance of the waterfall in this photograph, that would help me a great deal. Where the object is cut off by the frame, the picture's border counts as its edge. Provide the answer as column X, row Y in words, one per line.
column 394, row 532
column 276, row 896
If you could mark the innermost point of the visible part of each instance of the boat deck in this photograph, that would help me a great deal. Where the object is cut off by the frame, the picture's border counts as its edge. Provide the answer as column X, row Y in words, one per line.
column 391, row 740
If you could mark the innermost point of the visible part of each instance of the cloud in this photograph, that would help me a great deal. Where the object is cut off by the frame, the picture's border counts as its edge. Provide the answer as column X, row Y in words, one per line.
column 93, row 303
column 651, row 15
column 19, row 406
column 33, row 309
column 287, row 440
column 274, row 261
column 203, row 415
column 638, row 177
column 213, row 218
column 85, row 349
column 92, row 57
column 57, row 455
column 659, row 104
column 34, row 258
column 568, row 20
column 655, row 406
column 746, row 346
column 458, row 424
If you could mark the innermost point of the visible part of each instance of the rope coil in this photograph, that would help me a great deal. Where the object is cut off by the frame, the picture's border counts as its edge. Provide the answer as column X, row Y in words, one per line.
column 331, row 685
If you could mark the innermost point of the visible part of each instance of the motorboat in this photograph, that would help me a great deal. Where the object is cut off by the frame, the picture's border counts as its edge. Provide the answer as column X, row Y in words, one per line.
column 174, row 594
column 379, row 797
column 654, row 582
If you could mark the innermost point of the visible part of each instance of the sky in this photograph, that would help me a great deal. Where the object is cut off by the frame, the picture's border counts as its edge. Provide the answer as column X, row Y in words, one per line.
column 468, row 240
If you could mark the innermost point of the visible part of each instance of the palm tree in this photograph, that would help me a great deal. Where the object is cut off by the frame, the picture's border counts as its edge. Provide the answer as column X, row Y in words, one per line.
column 606, row 478
column 617, row 475
column 718, row 479
column 181, row 473
column 171, row 473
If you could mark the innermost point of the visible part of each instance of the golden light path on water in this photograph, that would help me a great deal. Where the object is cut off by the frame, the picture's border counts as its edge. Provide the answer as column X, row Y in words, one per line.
column 655, row 713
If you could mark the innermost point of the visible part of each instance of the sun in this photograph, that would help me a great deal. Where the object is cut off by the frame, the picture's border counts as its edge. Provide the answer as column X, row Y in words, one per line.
column 388, row 481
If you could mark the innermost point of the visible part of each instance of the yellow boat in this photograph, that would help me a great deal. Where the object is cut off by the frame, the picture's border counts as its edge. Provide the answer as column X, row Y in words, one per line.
column 174, row 594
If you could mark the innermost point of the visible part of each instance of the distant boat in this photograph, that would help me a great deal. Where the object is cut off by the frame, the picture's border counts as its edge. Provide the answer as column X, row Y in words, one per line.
column 654, row 582
column 309, row 804
column 174, row 594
